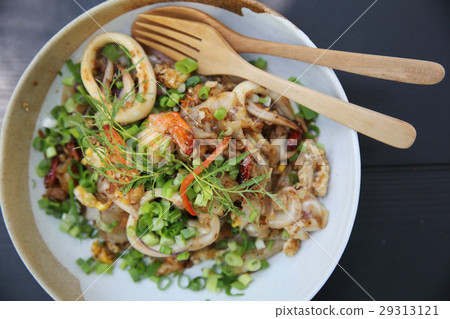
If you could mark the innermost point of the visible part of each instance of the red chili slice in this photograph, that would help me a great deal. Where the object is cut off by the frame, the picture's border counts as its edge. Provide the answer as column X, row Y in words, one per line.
column 188, row 179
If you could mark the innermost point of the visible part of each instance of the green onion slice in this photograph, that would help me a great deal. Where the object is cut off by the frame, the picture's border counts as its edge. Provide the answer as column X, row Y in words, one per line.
column 183, row 278
column 186, row 66
column 220, row 113
column 164, row 282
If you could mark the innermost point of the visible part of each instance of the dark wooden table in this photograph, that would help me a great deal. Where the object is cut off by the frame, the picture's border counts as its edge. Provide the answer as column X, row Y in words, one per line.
column 399, row 248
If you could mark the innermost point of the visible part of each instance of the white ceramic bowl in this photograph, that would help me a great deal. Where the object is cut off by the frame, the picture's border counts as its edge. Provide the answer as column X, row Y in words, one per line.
column 296, row 278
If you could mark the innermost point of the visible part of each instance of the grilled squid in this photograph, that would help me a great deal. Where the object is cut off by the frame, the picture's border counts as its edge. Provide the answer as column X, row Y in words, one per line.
column 143, row 84
column 246, row 89
column 208, row 227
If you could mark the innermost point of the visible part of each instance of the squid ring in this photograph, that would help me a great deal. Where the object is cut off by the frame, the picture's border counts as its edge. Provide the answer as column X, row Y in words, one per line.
column 135, row 109
column 208, row 226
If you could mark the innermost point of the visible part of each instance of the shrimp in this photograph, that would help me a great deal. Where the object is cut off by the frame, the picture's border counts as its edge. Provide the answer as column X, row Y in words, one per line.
column 314, row 216
column 115, row 156
column 170, row 123
column 314, row 172
column 285, row 209
column 208, row 228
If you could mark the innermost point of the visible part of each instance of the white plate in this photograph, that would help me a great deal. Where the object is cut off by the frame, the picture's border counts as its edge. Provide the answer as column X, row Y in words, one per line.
column 296, row 278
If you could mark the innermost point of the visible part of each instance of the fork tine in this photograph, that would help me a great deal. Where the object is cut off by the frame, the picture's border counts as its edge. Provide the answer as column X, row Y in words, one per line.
column 182, row 37
column 190, row 27
column 183, row 48
column 171, row 53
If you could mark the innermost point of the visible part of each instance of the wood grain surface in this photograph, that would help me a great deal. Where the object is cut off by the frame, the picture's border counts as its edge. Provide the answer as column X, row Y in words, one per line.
column 399, row 246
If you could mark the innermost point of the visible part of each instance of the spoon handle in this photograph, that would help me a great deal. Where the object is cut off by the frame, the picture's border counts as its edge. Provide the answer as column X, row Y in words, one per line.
column 378, row 126
column 377, row 66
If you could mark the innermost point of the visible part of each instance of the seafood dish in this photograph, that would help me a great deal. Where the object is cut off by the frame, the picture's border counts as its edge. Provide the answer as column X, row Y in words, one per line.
column 163, row 168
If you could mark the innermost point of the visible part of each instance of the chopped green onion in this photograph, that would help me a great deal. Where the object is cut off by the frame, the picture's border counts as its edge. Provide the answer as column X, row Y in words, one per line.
column 203, row 93
column 294, row 79
column 270, row 245
column 157, row 224
column 131, row 131
column 196, row 284
column 74, row 231
column 140, row 267
column 70, row 171
column 153, row 267
column 220, row 113
column 186, row 279
column 265, row 100
column 189, row 232
column 146, row 208
column 211, row 283
column 57, row 110
column 285, row 234
column 44, row 203
column 69, row 80
column 101, row 268
column 79, row 98
column 252, row 264
column 186, row 66
column 74, row 69
column 134, row 274
column 164, row 282
column 140, row 98
column 113, row 224
column 183, row 256
column 264, row 264
column 150, row 239
column 166, row 241
column 39, row 144
column 167, row 189
column 136, row 254
column 88, row 185
column 51, row 140
column 293, row 178
column 131, row 231
column 70, row 105
column 191, row 194
column 180, row 241
column 65, row 137
column 84, row 265
column 111, row 52
column 119, row 84
column 306, row 113
column 311, row 129
column 233, row 259
column 232, row 245
column 75, row 132
column 253, row 215
column 165, row 250
column 43, row 167
column 123, row 265
column 293, row 158
column 259, row 63
column 193, row 81
column 245, row 279
column 238, row 285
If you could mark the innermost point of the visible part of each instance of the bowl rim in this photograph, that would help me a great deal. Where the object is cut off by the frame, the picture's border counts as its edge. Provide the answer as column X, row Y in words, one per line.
column 30, row 258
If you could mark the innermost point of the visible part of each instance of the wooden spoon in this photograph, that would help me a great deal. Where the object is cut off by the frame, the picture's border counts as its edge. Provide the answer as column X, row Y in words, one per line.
column 382, row 67
column 179, row 39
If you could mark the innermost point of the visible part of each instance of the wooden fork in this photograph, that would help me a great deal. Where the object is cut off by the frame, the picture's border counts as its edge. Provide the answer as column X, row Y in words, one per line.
column 178, row 39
